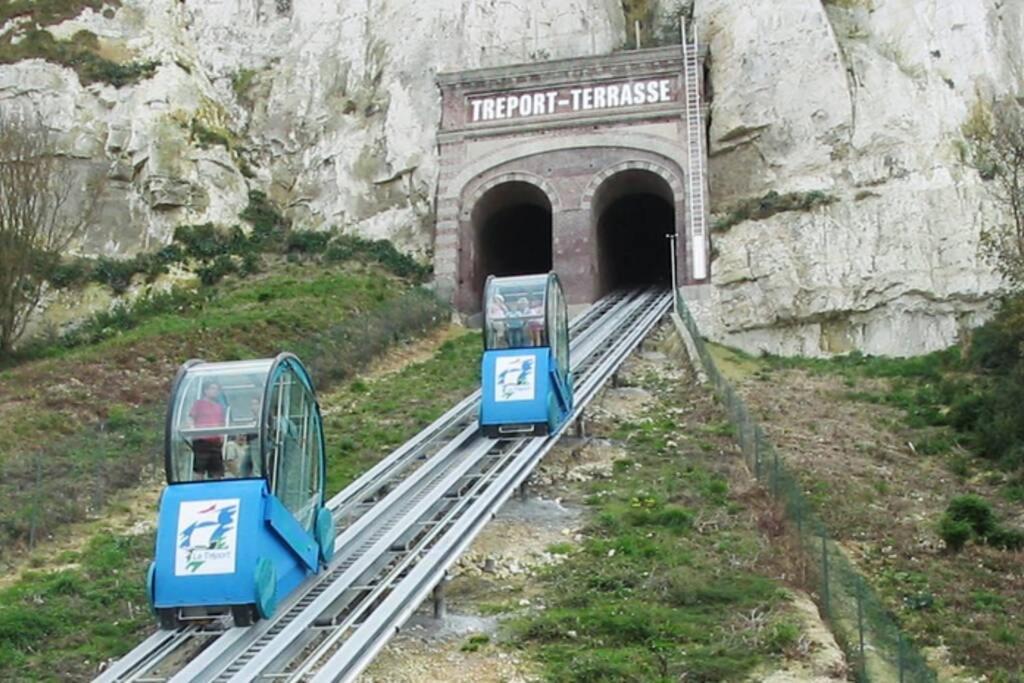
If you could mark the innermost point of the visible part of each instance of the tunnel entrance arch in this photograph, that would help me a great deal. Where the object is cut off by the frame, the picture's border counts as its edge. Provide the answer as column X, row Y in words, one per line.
column 604, row 139
column 512, row 229
column 633, row 212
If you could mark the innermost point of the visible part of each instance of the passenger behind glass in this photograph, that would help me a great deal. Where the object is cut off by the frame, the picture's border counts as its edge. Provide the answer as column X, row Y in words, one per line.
column 496, row 315
column 236, row 456
column 517, row 323
column 535, row 324
column 250, row 464
column 206, row 412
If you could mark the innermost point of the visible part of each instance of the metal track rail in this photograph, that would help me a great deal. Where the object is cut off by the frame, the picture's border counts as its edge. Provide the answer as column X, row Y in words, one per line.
column 413, row 500
column 327, row 626
column 346, row 652
column 204, row 644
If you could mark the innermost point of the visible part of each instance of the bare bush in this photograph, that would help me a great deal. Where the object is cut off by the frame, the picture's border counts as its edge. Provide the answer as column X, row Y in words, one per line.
column 995, row 135
column 44, row 205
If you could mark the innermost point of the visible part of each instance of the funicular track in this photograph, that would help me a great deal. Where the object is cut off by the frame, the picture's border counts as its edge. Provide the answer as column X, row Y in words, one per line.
column 403, row 522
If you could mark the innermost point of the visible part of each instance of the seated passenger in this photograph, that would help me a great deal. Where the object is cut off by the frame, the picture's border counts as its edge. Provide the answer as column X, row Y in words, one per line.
column 236, row 455
column 535, row 325
column 517, row 323
column 496, row 314
column 208, row 411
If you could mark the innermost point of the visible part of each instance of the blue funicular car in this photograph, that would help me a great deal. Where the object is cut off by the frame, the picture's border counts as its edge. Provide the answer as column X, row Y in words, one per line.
column 526, row 380
column 242, row 520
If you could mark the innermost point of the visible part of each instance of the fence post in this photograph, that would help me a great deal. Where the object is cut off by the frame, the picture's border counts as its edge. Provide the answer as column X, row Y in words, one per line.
column 757, row 453
column 860, row 630
column 34, row 524
column 899, row 652
column 775, row 474
column 826, row 598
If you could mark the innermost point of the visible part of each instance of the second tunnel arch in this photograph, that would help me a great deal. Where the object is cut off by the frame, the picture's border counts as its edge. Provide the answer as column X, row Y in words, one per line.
column 634, row 206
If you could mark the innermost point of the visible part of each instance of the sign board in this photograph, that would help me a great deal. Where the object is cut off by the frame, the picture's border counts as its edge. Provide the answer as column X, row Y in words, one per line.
column 207, row 540
column 515, row 378
column 571, row 100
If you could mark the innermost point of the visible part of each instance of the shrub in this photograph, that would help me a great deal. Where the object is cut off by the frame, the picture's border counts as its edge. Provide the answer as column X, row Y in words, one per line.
column 268, row 225
column 212, row 273
column 80, row 54
column 954, row 532
column 1006, row 539
column 307, row 242
column 975, row 511
column 770, row 204
column 348, row 247
column 115, row 273
column 73, row 273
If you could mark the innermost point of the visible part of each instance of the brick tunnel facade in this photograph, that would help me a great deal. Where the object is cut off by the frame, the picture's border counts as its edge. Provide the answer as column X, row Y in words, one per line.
column 577, row 166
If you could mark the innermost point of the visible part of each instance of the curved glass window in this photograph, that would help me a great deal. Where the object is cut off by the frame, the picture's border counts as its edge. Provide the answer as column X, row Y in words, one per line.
column 514, row 312
column 214, row 426
column 249, row 419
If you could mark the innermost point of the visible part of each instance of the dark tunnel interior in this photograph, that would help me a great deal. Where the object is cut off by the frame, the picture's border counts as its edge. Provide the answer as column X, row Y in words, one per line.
column 513, row 228
column 634, row 215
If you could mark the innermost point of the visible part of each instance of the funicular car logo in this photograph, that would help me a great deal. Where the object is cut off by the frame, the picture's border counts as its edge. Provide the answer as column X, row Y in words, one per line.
column 207, row 533
column 515, row 378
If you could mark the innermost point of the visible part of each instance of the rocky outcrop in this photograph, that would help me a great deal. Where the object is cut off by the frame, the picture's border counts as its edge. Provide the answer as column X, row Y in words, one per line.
column 332, row 108
column 330, row 105
column 863, row 100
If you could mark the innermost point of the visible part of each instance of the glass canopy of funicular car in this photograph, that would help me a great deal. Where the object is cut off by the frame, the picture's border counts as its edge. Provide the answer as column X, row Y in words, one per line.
column 526, row 311
column 263, row 418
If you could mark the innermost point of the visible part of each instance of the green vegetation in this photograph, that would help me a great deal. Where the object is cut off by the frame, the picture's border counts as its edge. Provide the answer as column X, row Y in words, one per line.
column 214, row 252
column 929, row 591
column 80, row 53
column 375, row 417
column 976, row 393
column 647, row 597
column 58, row 469
column 474, row 643
column 769, row 205
column 95, row 608
column 241, row 84
column 62, row 625
column 31, row 40
column 50, row 12
column 972, row 516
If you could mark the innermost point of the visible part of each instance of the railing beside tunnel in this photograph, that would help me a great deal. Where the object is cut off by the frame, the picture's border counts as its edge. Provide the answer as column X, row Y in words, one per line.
column 875, row 646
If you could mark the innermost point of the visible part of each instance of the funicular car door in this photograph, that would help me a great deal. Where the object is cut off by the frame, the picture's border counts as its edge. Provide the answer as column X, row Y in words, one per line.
column 295, row 445
column 558, row 339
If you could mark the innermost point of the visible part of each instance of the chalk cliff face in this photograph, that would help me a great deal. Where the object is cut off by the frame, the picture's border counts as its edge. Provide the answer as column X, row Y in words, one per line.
column 863, row 100
column 332, row 108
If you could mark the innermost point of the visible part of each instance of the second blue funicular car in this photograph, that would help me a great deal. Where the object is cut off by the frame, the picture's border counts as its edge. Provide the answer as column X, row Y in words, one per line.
column 526, row 380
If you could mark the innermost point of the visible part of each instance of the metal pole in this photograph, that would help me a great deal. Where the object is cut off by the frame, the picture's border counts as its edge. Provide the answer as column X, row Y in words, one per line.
column 860, row 630
column 636, row 26
column 440, row 604
column 675, row 286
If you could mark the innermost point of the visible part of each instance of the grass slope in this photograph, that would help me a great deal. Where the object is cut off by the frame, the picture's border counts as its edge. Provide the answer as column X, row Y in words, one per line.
column 670, row 580
column 87, row 422
column 62, row 624
column 874, row 445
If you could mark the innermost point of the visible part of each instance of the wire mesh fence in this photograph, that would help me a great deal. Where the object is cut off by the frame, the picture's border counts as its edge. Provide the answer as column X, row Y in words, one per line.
column 875, row 646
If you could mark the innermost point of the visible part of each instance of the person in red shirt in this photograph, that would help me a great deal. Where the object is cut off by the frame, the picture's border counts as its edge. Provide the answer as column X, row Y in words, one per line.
column 208, row 411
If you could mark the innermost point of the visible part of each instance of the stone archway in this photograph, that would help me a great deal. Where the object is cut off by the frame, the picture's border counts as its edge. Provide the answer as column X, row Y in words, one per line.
column 634, row 205
column 508, row 231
